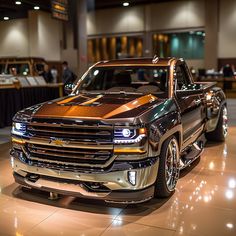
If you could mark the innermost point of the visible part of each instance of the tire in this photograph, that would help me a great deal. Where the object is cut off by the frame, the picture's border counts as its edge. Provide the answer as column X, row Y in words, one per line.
column 165, row 183
column 220, row 132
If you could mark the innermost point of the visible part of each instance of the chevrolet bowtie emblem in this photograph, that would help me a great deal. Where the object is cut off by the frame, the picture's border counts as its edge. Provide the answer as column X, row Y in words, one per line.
column 57, row 142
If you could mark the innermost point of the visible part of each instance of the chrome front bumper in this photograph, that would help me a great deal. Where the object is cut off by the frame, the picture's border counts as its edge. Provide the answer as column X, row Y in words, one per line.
column 118, row 187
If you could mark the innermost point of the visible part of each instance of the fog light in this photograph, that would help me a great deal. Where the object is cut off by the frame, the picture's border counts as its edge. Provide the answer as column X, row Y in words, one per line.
column 132, row 177
column 12, row 162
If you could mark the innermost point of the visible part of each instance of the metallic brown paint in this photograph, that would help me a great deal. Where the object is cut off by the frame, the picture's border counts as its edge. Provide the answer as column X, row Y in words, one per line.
column 62, row 110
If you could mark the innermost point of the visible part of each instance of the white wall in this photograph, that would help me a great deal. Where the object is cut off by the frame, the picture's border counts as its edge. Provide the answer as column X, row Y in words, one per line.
column 227, row 29
column 49, row 37
column 116, row 20
column 14, row 38
column 176, row 15
column 37, row 36
column 160, row 16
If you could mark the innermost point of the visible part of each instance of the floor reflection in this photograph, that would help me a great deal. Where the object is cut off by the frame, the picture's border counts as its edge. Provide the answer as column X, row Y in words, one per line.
column 204, row 203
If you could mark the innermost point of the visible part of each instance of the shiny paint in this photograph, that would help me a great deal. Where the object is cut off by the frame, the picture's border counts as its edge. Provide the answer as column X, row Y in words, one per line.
column 186, row 117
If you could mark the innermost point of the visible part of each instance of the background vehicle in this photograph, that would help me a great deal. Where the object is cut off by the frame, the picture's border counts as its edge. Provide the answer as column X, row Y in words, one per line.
column 124, row 133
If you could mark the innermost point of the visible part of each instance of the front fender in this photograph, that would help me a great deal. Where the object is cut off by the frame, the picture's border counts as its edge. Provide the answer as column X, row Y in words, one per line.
column 163, row 128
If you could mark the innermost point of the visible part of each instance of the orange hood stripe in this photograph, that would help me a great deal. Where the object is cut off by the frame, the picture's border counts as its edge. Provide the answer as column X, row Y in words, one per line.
column 91, row 100
column 131, row 105
column 67, row 100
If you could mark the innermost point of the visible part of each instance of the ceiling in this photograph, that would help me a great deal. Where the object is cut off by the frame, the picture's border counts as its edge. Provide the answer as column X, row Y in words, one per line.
column 13, row 11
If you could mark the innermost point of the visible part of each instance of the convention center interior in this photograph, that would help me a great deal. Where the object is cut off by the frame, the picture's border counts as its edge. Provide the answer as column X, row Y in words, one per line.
column 118, row 117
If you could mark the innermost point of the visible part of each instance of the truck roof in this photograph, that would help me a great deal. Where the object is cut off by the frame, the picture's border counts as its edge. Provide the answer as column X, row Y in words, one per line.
column 137, row 62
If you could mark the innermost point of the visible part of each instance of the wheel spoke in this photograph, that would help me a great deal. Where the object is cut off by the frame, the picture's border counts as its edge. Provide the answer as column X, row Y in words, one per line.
column 225, row 122
column 172, row 165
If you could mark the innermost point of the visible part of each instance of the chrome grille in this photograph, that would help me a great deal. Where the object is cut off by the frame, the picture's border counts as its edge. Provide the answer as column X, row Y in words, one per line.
column 84, row 146
column 83, row 133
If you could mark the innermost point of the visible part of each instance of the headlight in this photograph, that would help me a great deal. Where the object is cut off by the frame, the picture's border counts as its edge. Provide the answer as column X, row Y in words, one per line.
column 18, row 128
column 126, row 135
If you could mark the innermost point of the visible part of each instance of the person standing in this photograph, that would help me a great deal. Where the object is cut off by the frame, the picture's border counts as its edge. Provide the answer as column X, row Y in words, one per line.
column 46, row 73
column 67, row 75
column 228, row 73
column 54, row 73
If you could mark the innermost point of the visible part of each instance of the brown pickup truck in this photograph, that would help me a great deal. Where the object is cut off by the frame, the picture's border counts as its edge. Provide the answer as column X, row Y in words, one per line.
column 122, row 135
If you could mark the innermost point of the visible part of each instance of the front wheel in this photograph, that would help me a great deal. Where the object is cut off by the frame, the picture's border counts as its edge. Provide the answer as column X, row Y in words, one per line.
column 221, row 130
column 168, row 172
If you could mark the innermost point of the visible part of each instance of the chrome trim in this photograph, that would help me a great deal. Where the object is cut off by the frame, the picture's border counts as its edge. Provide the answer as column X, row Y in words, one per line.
column 66, row 132
column 130, row 202
column 49, row 161
column 46, row 150
column 71, row 144
column 193, row 137
column 73, row 125
column 76, row 188
column 115, row 180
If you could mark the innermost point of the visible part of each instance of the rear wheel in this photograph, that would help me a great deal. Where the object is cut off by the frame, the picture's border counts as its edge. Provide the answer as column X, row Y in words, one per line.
column 168, row 172
column 221, row 130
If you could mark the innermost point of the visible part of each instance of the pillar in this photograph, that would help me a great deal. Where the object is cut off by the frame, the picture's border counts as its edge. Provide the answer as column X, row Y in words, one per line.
column 211, row 30
column 81, row 16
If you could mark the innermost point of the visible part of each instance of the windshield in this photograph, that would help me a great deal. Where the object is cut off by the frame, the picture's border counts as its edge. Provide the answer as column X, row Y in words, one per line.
column 143, row 80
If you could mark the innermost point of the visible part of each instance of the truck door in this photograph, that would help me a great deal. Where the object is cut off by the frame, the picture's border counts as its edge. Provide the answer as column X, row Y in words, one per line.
column 191, row 107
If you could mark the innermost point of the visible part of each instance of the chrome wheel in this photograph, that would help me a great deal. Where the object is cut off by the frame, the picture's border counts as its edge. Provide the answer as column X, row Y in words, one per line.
column 171, row 165
column 225, row 122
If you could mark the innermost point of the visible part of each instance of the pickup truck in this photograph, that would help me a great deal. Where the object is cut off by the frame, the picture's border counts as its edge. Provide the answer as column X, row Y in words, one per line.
column 122, row 135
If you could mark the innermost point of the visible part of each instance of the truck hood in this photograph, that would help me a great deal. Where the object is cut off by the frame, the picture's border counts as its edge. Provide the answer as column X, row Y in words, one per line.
column 94, row 106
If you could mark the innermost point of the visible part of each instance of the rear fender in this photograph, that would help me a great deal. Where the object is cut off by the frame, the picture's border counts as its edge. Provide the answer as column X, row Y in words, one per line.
column 214, row 107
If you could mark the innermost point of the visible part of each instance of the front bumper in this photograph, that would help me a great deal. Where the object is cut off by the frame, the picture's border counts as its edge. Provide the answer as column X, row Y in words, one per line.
column 113, row 184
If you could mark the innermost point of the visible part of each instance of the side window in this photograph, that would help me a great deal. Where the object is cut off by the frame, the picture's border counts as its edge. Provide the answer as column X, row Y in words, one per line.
column 182, row 79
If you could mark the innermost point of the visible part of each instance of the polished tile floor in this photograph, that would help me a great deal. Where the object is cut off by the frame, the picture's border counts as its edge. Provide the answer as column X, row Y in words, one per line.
column 203, row 204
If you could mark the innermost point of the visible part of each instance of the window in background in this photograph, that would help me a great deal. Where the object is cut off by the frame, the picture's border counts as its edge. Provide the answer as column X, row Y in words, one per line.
column 107, row 48
column 189, row 45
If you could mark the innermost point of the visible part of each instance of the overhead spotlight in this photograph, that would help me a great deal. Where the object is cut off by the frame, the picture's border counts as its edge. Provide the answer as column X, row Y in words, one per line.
column 5, row 18
column 18, row 2
column 125, row 4
column 36, row 7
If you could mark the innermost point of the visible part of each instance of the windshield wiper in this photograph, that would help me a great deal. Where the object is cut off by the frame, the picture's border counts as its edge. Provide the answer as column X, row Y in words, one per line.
column 121, row 92
column 108, row 92
column 90, row 92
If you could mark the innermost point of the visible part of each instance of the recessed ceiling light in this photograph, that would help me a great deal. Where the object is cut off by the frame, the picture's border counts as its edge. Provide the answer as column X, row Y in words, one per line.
column 5, row 18
column 125, row 4
column 18, row 2
column 36, row 8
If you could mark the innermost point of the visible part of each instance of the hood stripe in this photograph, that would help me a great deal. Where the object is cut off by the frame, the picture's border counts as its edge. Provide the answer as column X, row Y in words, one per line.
column 69, row 99
column 131, row 105
column 91, row 100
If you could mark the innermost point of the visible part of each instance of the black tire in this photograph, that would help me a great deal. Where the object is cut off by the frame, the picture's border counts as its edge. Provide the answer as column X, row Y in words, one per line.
column 218, row 134
column 161, row 189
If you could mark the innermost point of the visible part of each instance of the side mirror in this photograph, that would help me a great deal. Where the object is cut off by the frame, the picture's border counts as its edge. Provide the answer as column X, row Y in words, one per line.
column 191, row 89
column 69, row 88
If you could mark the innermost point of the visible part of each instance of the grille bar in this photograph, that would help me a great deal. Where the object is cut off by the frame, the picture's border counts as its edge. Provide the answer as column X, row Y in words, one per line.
column 90, row 134
column 63, row 144
column 67, row 153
